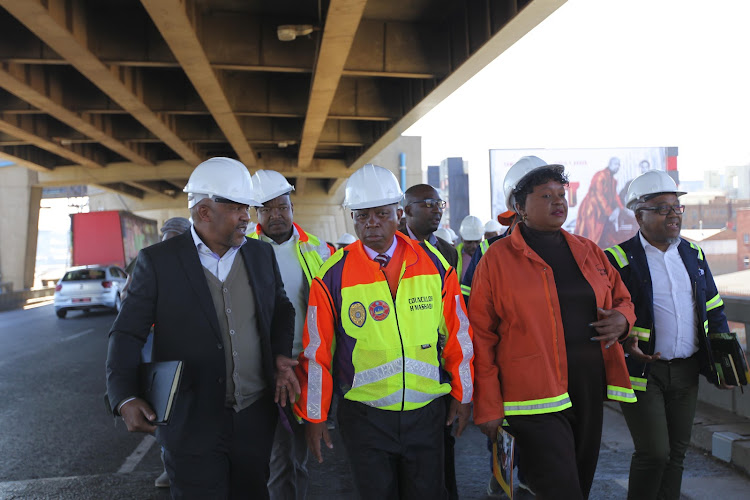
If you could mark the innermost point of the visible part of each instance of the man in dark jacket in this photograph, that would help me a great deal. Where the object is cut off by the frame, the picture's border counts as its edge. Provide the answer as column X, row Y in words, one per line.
column 678, row 310
column 423, row 210
column 216, row 301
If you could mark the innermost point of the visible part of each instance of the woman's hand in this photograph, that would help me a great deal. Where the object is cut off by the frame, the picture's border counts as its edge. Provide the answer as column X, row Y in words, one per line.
column 610, row 326
column 631, row 347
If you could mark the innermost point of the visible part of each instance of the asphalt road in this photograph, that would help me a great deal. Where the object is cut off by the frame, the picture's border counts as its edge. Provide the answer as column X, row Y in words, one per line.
column 56, row 441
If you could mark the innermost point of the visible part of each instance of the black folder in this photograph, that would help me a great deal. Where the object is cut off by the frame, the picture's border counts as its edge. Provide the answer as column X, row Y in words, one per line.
column 158, row 383
column 729, row 359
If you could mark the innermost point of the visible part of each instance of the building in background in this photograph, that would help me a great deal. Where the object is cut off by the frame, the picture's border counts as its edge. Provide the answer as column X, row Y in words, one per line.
column 451, row 179
column 743, row 239
column 734, row 181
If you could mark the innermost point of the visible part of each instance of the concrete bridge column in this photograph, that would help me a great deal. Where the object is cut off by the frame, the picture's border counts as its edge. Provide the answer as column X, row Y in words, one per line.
column 19, row 221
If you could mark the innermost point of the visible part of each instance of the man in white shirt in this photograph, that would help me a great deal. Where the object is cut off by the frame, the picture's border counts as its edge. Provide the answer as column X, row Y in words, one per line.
column 678, row 309
column 300, row 256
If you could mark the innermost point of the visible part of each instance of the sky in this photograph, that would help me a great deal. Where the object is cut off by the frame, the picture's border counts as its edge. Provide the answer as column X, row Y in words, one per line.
column 607, row 73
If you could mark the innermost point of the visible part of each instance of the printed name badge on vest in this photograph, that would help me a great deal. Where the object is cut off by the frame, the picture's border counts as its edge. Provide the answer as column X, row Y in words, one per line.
column 357, row 314
column 379, row 310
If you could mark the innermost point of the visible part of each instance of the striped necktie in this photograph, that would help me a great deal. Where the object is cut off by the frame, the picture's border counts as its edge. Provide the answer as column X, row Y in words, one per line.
column 382, row 259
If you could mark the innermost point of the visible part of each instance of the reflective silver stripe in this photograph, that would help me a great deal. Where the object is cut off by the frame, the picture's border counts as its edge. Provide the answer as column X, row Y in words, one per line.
column 531, row 408
column 410, row 396
column 378, row 373
column 621, row 394
column 314, row 370
column 467, row 349
column 423, row 369
column 395, row 367
column 714, row 302
column 389, row 400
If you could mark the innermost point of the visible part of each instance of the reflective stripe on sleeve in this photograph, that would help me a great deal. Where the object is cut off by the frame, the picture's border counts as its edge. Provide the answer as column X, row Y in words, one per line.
column 642, row 333
column 538, row 406
column 467, row 350
column 314, row 370
column 639, row 384
column 466, row 290
column 619, row 254
column 714, row 303
column 620, row 394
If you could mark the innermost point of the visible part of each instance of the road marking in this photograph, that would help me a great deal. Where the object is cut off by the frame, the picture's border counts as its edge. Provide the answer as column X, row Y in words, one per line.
column 75, row 336
column 140, row 451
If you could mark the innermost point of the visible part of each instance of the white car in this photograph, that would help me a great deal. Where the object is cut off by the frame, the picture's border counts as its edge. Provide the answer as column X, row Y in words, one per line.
column 89, row 287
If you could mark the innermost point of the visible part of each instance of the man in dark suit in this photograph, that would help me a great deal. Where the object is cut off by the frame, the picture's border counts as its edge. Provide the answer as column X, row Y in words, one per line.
column 230, row 322
column 423, row 210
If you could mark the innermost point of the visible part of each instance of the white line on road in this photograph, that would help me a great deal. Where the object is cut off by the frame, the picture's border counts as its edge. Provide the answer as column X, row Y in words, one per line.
column 76, row 335
column 134, row 459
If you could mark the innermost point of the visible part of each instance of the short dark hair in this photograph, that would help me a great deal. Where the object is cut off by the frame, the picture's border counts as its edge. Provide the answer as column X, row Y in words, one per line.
column 537, row 177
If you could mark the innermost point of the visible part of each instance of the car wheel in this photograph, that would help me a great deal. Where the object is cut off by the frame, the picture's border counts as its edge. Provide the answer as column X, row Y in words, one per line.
column 118, row 303
column 61, row 313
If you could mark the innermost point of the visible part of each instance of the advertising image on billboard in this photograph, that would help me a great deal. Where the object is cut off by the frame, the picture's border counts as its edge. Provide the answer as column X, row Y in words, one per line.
column 599, row 180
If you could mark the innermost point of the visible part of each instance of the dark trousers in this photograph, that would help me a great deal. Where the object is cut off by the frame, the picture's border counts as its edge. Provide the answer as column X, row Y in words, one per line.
column 660, row 423
column 450, row 458
column 395, row 454
column 237, row 466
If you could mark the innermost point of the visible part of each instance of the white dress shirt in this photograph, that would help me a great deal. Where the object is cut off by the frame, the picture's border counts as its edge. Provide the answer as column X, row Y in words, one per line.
column 218, row 266
column 674, row 304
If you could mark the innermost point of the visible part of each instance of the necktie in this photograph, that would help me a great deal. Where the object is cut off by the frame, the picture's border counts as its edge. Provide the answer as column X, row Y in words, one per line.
column 382, row 259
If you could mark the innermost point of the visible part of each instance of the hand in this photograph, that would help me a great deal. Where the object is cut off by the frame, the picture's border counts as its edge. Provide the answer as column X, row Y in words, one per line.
column 287, row 385
column 610, row 326
column 462, row 411
column 631, row 347
column 313, row 434
column 138, row 416
column 723, row 386
column 489, row 429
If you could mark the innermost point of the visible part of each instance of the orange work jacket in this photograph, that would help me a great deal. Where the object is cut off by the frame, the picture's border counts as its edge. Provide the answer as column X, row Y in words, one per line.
column 520, row 362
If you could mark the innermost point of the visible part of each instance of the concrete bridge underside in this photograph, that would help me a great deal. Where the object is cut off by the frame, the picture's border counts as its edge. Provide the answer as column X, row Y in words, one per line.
column 129, row 95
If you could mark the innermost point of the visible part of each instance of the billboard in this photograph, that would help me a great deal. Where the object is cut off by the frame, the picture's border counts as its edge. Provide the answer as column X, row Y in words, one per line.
column 599, row 180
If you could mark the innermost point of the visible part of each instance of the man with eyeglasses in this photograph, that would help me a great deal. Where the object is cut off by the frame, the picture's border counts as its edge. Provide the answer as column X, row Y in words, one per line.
column 678, row 309
column 424, row 210
column 300, row 256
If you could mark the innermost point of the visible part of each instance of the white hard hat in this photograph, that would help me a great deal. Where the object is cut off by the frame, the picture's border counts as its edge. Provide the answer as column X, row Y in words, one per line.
column 517, row 172
column 444, row 234
column 221, row 177
column 346, row 239
column 651, row 182
column 372, row 186
column 269, row 184
column 491, row 226
column 471, row 228
column 453, row 234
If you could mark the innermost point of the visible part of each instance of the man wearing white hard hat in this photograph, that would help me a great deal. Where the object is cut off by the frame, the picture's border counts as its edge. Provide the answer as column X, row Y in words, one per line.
column 217, row 303
column 300, row 255
column 387, row 313
column 492, row 228
column 471, row 232
column 679, row 312
column 345, row 239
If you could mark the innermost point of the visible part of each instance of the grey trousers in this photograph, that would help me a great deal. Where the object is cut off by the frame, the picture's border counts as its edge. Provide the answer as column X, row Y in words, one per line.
column 289, row 476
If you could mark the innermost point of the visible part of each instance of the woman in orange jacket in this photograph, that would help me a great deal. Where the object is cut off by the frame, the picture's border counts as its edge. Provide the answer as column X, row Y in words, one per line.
column 548, row 310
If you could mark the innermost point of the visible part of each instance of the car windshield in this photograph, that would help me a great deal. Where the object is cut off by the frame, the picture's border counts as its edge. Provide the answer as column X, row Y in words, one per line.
column 84, row 274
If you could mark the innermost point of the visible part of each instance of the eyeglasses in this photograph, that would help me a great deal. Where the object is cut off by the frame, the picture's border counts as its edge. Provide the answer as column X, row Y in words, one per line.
column 431, row 202
column 665, row 209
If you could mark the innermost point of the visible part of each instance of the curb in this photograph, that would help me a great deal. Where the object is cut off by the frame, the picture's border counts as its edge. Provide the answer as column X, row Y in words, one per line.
column 723, row 434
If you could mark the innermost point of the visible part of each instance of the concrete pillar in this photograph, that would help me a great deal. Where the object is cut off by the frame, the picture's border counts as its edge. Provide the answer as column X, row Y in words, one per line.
column 19, row 206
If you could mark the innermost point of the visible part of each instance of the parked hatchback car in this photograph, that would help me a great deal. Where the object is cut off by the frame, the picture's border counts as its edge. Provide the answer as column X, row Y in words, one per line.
column 89, row 287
